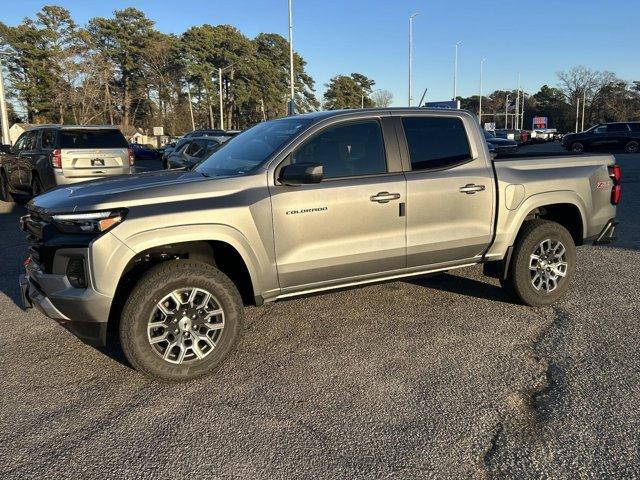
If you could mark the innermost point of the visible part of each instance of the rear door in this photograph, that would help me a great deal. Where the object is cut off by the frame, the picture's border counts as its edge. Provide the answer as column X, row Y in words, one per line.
column 27, row 157
column 349, row 226
column 93, row 152
column 450, row 190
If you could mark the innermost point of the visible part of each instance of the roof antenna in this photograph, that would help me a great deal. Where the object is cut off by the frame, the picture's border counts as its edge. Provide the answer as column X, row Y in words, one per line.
column 422, row 98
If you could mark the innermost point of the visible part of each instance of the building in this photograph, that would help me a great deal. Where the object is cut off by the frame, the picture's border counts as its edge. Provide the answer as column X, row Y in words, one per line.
column 18, row 129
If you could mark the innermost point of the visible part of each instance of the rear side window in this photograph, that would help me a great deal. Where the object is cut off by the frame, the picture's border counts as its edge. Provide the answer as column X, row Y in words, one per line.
column 436, row 142
column 346, row 150
column 91, row 139
column 617, row 127
column 48, row 137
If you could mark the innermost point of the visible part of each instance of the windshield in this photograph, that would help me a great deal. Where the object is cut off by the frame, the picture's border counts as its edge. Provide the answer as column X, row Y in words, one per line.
column 251, row 148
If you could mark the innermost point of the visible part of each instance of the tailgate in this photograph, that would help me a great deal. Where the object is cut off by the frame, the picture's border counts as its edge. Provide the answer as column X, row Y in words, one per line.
column 94, row 162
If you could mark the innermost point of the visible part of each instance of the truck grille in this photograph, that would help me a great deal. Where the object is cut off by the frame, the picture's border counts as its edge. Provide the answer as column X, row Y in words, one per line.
column 35, row 226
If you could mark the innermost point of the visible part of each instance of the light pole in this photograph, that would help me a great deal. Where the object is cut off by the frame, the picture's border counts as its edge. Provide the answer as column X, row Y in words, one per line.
column 411, row 17
column 480, row 98
column 4, row 116
column 517, row 113
column 220, row 70
column 584, row 102
column 506, row 112
column 577, row 113
column 455, row 71
column 292, row 102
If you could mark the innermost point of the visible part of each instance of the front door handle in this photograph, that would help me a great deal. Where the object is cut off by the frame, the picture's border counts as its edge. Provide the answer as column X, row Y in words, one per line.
column 384, row 197
column 471, row 188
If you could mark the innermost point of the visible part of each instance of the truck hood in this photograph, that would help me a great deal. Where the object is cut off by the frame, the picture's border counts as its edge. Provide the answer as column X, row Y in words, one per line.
column 120, row 191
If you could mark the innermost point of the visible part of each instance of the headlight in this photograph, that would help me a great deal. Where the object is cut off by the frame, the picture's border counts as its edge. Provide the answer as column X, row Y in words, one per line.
column 91, row 222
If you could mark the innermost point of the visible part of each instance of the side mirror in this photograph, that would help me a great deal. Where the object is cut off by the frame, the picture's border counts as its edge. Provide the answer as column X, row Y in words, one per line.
column 492, row 152
column 301, row 174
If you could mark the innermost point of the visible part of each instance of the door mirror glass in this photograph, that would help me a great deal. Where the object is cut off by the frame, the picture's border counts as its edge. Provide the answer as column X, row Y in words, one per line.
column 301, row 173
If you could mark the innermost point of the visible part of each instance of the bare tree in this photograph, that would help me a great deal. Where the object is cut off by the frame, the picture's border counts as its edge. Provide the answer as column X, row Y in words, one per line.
column 382, row 98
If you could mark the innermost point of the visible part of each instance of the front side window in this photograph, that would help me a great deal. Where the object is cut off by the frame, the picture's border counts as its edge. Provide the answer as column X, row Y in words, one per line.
column 436, row 142
column 20, row 144
column 346, row 150
column 31, row 140
column 634, row 127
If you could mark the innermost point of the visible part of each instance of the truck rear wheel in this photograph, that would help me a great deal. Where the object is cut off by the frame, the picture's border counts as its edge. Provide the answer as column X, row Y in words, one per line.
column 542, row 265
column 181, row 321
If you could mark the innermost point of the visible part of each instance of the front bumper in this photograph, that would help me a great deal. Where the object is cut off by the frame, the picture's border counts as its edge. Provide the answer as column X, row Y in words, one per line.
column 84, row 312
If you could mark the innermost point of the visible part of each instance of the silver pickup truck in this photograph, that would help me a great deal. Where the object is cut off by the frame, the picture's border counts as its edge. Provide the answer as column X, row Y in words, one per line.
column 299, row 205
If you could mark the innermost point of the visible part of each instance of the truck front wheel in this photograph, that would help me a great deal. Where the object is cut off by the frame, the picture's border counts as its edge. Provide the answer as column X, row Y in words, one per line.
column 542, row 265
column 181, row 321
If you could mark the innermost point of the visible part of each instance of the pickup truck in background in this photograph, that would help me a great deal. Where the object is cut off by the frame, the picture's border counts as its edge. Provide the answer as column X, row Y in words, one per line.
column 298, row 205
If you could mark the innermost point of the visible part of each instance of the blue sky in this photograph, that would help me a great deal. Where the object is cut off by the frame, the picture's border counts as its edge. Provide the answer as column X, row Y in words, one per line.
column 535, row 37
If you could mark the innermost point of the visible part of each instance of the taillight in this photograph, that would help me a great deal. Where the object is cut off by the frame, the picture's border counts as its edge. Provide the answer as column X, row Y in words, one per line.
column 132, row 157
column 56, row 158
column 616, row 192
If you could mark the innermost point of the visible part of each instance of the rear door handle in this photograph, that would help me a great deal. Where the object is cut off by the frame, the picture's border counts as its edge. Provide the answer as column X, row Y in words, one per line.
column 384, row 197
column 471, row 188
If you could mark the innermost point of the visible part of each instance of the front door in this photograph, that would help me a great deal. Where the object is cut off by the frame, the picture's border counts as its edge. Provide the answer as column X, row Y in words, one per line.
column 450, row 195
column 349, row 226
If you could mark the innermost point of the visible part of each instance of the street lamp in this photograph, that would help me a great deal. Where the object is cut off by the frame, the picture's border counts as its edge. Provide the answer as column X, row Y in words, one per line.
column 4, row 116
column 411, row 17
column 362, row 96
column 292, row 102
column 480, row 98
column 506, row 111
column 220, row 70
column 455, row 71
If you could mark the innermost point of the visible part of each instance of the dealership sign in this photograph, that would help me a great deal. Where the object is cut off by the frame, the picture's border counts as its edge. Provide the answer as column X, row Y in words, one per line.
column 540, row 122
column 451, row 104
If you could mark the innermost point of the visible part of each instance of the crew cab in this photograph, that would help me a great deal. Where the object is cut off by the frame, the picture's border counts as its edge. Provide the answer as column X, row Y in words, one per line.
column 299, row 205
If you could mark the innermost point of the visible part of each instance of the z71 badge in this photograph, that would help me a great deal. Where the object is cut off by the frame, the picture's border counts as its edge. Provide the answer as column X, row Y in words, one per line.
column 603, row 184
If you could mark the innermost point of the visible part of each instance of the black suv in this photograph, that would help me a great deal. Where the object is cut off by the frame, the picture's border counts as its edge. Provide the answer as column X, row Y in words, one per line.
column 605, row 136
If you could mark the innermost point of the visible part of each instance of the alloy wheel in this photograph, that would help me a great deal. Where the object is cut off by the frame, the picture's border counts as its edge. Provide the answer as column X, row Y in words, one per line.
column 548, row 265
column 186, row 325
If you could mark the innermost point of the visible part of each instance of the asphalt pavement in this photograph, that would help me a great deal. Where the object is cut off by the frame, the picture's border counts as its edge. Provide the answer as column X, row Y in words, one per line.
column 440, row 377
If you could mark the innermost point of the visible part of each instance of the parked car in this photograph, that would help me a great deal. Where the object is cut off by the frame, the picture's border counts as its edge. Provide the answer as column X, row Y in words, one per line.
column 144, row 152
column 544, row 134
column 52, row 155
column 502, row 146
column 206, row 132
column 194, row 150
column 305, row 204
column 605, row 136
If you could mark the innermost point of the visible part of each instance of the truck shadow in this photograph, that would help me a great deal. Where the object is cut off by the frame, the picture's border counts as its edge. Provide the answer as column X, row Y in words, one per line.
column 463, row 286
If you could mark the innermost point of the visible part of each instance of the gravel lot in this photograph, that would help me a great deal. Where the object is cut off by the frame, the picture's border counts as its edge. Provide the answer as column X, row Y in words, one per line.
column 440, row 377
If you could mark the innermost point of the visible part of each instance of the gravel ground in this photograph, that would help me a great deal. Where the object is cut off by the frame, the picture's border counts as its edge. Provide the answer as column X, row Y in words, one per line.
column 432, row 378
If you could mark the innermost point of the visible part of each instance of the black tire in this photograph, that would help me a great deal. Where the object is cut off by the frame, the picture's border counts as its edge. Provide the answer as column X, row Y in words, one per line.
column 632, row 147
column 577, row 147
column 519, row 282
column 36, row 186
column 159, row 282
column 5, row 194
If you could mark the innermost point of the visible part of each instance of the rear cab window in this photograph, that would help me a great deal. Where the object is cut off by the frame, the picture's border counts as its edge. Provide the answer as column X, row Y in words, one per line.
column 436, row 142
column 91, row 138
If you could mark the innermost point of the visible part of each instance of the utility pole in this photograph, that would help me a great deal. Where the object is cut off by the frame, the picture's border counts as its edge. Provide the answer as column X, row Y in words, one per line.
column 480, row 98
column 411, row 17
column 584, row 102
column 455, row 71
column 522, row 114
column 577, row 113
column 292, row 102
column 4, row 115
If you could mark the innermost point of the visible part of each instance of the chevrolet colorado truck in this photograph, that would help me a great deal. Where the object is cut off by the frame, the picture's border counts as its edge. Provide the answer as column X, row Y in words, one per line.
column 304, row 204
